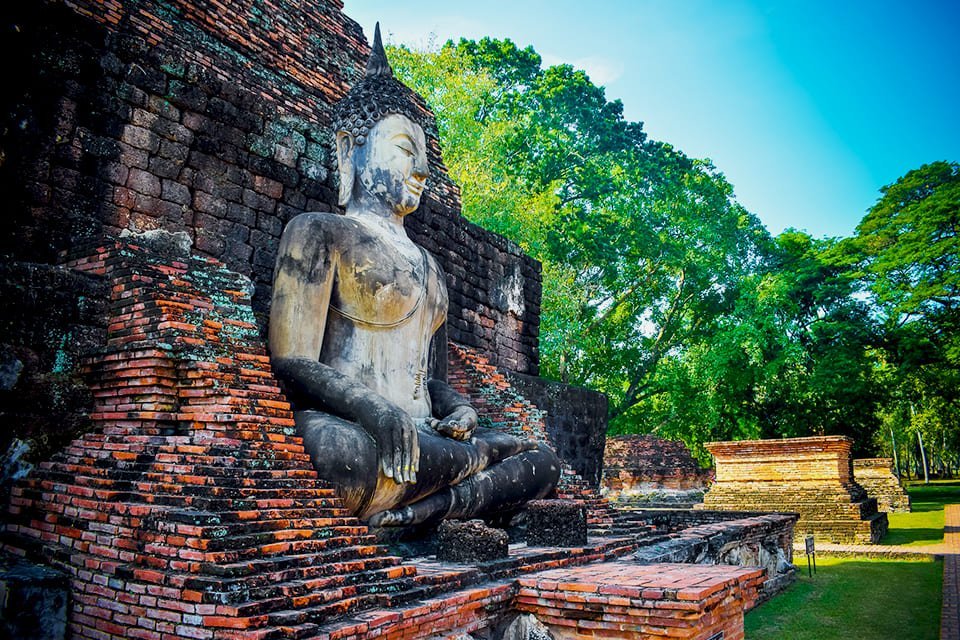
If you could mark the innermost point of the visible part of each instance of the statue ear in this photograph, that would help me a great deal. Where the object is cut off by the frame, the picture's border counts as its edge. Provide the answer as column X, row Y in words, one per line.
column 345, row 166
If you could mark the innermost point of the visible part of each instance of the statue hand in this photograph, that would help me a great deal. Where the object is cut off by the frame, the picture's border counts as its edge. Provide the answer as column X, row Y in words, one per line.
column 398, row 446
column 459, row 425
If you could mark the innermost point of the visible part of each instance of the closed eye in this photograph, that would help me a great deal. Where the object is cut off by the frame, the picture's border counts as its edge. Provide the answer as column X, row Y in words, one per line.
column 405, row 149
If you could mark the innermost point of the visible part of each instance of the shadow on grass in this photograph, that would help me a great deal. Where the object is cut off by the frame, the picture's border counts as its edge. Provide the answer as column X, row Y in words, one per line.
column 855, row 599
column 913, row 536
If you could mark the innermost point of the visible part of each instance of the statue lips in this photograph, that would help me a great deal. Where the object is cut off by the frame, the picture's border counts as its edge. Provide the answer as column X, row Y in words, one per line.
column 415, row 187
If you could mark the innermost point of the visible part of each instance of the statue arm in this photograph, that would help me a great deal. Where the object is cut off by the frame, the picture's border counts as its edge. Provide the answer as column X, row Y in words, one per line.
column 302, row 286
column 391, row 427
column 453, row 415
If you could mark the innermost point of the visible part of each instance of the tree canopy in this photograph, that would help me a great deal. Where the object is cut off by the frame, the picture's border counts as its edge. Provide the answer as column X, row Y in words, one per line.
column 663, row 292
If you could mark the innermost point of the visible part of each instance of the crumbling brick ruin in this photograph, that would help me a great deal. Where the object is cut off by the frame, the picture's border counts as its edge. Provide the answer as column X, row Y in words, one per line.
column 651, row 471
column 809, row 476
column 876, row 476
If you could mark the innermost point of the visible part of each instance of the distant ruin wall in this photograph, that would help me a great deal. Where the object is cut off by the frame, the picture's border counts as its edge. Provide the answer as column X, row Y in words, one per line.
column 876, row 476
column 646, row 468
column 214, row 120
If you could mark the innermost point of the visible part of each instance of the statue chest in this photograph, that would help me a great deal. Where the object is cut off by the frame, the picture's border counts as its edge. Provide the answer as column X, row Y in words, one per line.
column 387, row 289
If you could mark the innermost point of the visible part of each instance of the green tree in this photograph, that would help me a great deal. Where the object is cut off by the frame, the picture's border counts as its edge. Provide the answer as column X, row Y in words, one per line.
column 907, row 254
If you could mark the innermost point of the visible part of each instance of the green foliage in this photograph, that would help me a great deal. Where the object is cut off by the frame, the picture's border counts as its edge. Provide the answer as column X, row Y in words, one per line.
column 663, row 292
column 642, row 246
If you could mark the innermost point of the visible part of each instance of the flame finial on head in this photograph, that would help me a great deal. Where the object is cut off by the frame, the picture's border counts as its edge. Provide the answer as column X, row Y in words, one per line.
column 377, row 65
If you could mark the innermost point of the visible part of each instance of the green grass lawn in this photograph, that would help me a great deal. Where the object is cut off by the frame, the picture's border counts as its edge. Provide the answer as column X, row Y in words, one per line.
column 855, row 599
column 924, row 526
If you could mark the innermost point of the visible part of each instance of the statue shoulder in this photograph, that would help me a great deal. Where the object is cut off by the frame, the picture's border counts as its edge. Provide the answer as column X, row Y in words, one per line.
column 319, row 227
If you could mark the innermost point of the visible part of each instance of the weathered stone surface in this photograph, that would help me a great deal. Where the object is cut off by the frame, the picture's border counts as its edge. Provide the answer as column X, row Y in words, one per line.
column 809, row 476
column 712, row 537
column 877, row 477
column 470, row 541
column 527, row 627
column 33, row 601
column 556, row 523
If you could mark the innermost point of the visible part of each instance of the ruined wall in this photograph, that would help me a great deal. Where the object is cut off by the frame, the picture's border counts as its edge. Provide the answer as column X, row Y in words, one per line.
column 810, row 476
column 642, row 465
column 213, row 119
column 576, row 420
column 876, row 476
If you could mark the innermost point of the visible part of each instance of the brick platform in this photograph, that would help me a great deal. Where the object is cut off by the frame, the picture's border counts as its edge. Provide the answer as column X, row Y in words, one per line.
column 809, row 476
column 622, row 600
column 876, row 476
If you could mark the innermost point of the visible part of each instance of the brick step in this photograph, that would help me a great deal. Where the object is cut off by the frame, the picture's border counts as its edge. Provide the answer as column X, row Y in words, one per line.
column 197, row 518
column 248, row 451
column 320, row 614
column 210, row 499
column 284, row 548
column 142, row 487
column 309, row 565
column 855, row 510
column 211, row 524
column 256, row 592
column 216, row 543
column 124, row 477
column 296, row 581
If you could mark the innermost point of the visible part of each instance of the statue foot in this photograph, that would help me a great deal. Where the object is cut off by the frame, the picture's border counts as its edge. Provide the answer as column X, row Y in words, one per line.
column 392, row 518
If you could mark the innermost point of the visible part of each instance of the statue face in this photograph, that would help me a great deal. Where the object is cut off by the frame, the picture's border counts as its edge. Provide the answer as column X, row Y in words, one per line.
column 392, row 165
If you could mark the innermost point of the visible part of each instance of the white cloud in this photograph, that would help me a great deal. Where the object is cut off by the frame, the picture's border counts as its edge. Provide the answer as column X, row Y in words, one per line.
column 602, row 71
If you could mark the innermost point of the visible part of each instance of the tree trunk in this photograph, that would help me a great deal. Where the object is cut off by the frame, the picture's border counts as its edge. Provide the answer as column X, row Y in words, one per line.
column 923, row 455
column 896, row 458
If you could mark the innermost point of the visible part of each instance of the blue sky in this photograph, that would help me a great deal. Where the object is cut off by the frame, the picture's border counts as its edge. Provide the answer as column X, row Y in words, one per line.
column 808, row 107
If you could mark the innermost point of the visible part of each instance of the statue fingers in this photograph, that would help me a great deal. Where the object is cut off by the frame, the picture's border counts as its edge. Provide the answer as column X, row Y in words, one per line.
column 413, row 456
column 405, row 457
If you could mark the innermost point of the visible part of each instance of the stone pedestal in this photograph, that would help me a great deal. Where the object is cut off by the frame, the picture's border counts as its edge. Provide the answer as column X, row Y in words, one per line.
column 556, row 523
column 812, row 477
column 470, row 541
column 877, row 477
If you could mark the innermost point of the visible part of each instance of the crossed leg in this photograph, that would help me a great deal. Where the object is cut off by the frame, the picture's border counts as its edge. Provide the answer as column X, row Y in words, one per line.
column 493, row 472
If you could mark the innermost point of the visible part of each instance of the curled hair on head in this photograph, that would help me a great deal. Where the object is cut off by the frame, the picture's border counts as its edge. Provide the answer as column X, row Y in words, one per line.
column 376, row 96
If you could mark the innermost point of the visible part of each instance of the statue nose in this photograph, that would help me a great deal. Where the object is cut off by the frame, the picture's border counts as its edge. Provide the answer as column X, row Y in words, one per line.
column 421, row 170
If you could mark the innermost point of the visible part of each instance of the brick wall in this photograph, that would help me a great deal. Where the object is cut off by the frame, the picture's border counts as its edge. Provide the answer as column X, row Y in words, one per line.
column 809, row 476
column 641, row 464
column 213, row 119
column 623, row 600
column 576, row 420
column 877, row 477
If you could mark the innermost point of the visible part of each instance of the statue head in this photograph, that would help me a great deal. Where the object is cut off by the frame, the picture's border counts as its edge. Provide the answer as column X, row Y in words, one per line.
column 380, row 143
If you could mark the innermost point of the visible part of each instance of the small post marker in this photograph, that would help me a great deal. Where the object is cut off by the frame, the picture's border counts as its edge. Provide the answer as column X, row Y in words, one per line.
column 811, row 553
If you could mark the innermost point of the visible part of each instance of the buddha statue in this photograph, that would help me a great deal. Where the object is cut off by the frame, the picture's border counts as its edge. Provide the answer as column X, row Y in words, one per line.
column 355, row 306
